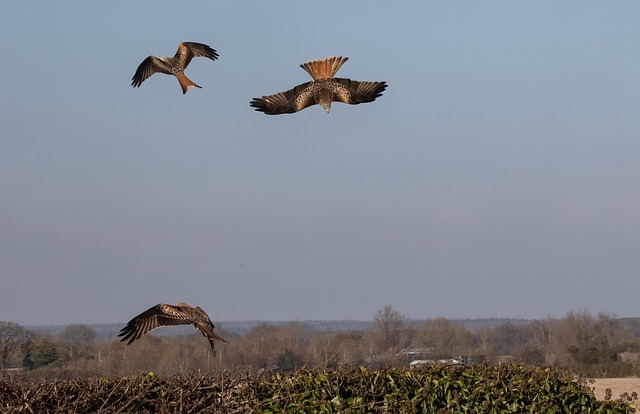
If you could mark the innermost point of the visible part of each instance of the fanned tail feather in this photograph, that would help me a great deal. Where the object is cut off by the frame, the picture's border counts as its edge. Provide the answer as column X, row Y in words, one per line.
column 324, row 68
column 186, row 83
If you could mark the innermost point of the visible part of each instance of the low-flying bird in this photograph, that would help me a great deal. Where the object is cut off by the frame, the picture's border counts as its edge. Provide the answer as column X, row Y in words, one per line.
column 174, row 65
column 169, row 315
column 323, row 90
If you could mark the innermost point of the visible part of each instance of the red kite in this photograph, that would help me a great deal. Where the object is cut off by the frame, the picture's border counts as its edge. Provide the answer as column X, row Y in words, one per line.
column 174, row 66
column 323, row 90
column 168, row 315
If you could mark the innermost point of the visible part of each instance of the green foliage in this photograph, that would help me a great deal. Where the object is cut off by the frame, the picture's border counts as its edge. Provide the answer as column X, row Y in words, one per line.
column 482, row 389
column 454, row 389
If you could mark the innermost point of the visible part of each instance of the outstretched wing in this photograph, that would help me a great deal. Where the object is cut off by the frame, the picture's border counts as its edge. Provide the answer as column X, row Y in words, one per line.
column 286, row 102
column 154, row 317
column 355, row 92
column 148, row 67
column 189, row 50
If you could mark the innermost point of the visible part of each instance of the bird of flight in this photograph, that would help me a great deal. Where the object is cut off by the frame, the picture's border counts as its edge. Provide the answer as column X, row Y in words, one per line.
column 169, row 315
column 174, row 65
column 323, row 90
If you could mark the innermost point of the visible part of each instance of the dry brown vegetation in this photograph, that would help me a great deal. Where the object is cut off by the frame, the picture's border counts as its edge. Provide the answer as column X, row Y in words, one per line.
column 446, row 389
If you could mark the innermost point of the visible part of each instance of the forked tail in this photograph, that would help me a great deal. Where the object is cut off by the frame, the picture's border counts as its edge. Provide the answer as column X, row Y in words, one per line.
column 186, row 83
column 324, row 68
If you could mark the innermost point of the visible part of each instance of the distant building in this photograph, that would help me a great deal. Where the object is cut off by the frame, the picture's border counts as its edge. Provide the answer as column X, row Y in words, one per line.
column 419, row 362
column 471, row 359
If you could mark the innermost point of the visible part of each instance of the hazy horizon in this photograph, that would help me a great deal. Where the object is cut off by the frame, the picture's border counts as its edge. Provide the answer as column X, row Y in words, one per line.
column 497, row 176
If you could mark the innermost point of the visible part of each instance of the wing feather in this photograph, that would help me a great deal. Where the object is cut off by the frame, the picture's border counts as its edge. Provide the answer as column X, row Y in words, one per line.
column 154, row 317
column 189, row 50
column 355, row 92
column 287, row 102
column 148, row 67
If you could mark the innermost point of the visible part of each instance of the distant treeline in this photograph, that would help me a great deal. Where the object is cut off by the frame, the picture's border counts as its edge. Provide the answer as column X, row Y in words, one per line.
column 110, row 330
column 594, row 345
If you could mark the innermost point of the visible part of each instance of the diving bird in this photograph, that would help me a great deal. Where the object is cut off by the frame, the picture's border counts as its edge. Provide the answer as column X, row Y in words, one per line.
column 169, row 315
column 174, row 65
column 322, row 90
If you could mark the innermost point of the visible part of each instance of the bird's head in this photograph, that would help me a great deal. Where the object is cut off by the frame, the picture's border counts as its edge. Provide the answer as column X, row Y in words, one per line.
column 326, row 105
column 324, row 96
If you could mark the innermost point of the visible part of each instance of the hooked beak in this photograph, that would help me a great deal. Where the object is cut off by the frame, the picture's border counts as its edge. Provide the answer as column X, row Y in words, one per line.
column 326, row 106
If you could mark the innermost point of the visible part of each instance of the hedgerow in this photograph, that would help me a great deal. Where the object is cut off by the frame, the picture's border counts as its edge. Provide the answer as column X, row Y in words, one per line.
column 453, row 389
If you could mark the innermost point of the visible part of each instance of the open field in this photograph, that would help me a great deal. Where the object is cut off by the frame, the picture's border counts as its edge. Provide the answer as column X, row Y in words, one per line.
column 617, row 386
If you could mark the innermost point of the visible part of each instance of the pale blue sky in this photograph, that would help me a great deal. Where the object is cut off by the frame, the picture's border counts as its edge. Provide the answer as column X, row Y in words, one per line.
column 498, row 175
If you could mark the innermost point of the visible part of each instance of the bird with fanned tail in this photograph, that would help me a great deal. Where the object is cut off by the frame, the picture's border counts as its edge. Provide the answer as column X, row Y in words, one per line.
column 169, row 315
column 322, row 90
column 174, row 65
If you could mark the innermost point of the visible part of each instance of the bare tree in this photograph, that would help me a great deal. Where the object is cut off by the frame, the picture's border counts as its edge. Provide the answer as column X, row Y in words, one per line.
column 587, row 340
column 12, row 336
column 348, row 347
column 256, row 349
column 607, row 329
column 27, row 346
column 541, row 333
column 78, row 341
column 506, row 338
column 445, row 338
column 389, row 328
column 577, row 329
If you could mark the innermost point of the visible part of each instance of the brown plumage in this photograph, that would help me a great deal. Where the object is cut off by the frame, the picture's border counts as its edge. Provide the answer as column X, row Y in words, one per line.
column 323, row 90
column 169, row 315
column 174, row 65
